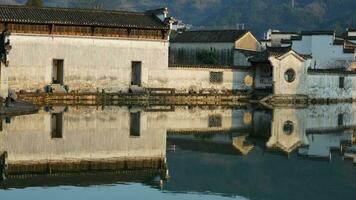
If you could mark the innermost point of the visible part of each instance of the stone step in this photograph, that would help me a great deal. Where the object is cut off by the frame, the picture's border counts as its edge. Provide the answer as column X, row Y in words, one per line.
column 137, row 90
column 56, row 88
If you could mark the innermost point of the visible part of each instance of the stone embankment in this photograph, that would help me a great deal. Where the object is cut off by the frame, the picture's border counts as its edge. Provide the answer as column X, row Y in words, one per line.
column 18, row 108
column 144, row 99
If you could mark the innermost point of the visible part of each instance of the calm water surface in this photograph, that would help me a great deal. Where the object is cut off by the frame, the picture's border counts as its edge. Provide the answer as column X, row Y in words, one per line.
column 180, row 153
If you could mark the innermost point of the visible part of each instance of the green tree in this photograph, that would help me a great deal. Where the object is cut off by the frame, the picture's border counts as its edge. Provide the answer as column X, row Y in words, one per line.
column 34, row 3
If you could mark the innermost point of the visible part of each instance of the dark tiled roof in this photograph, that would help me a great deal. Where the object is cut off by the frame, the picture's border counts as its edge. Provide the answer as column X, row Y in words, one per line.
column 335, row 71
column 350, row 37
column 339, row 41
column 263, row 57
column 286, row 41
column 209, row 36
column 65, row 16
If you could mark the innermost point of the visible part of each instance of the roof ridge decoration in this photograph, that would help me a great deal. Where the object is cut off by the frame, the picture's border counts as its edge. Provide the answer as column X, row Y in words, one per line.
column 299, row 56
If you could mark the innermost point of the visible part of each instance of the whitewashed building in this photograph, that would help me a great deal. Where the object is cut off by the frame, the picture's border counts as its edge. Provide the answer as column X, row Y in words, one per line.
column 327, row 50
column 276, row 38
column 213, row 59
column 325, row 69
column 83, row 50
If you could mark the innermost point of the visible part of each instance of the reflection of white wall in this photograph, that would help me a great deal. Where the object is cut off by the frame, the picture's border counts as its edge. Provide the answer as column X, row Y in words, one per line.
column 288, row 141
column 90, row 134
column 320, row 145
column 87, row 134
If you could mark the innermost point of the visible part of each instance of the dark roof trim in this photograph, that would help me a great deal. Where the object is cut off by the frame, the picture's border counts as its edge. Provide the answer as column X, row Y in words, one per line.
column 298, row 37
column 350, row 37
column 80, row 17
column 349, row 51
column 339, row 41
column 209, row 36
column 158, row 11
column 284, row 32
column 209, row 67
column 331, row 71
column 317, row 32
column 286, row 41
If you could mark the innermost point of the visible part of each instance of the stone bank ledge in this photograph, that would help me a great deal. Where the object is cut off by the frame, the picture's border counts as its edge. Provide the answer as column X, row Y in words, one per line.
column 301, row 100
column 18, row 108
column 133, row 99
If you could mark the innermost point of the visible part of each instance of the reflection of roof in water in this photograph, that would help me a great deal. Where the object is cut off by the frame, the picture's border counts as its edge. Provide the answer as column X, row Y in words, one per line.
column 241, row 144
column 82, row 179
column 82, row 173
column 48, row 167
column 204, row 146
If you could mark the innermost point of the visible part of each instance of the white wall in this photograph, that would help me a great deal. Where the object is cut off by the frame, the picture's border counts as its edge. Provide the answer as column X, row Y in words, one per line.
column 280, row 66
column 4, row 88
column 325, row 85
column 325, row 54
column 89, row 62
column 196, row 79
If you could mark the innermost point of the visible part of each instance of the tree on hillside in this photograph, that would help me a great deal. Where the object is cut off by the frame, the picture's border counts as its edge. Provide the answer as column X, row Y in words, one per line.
column 34, row 3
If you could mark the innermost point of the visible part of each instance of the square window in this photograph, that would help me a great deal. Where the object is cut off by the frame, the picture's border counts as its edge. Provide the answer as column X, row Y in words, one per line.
column 216, row 77
column 341, row 82
column 215, row 121
column 135, row 124
column 340, row 120
column 57, row 125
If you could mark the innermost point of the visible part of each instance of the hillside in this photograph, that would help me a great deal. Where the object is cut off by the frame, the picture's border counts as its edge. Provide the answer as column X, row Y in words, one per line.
column 257, row 15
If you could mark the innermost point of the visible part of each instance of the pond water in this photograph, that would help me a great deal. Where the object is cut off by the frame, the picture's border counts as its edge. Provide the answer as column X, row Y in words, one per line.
column 180, row 153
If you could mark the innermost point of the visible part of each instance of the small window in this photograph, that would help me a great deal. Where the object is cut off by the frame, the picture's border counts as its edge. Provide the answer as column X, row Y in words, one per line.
column 57, row 125
column 341, row 82
column 288, row 127
column 216, row 77
column 215, row 121
column 340, row 119
column 135, row 124
column 289, row 75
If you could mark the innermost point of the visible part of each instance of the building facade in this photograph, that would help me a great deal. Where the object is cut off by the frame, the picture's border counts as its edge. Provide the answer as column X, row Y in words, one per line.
column 213, row 59
column 83, row 50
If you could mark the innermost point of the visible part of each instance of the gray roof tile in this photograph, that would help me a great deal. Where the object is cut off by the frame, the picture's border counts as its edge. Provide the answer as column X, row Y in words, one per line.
column 65, row 16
